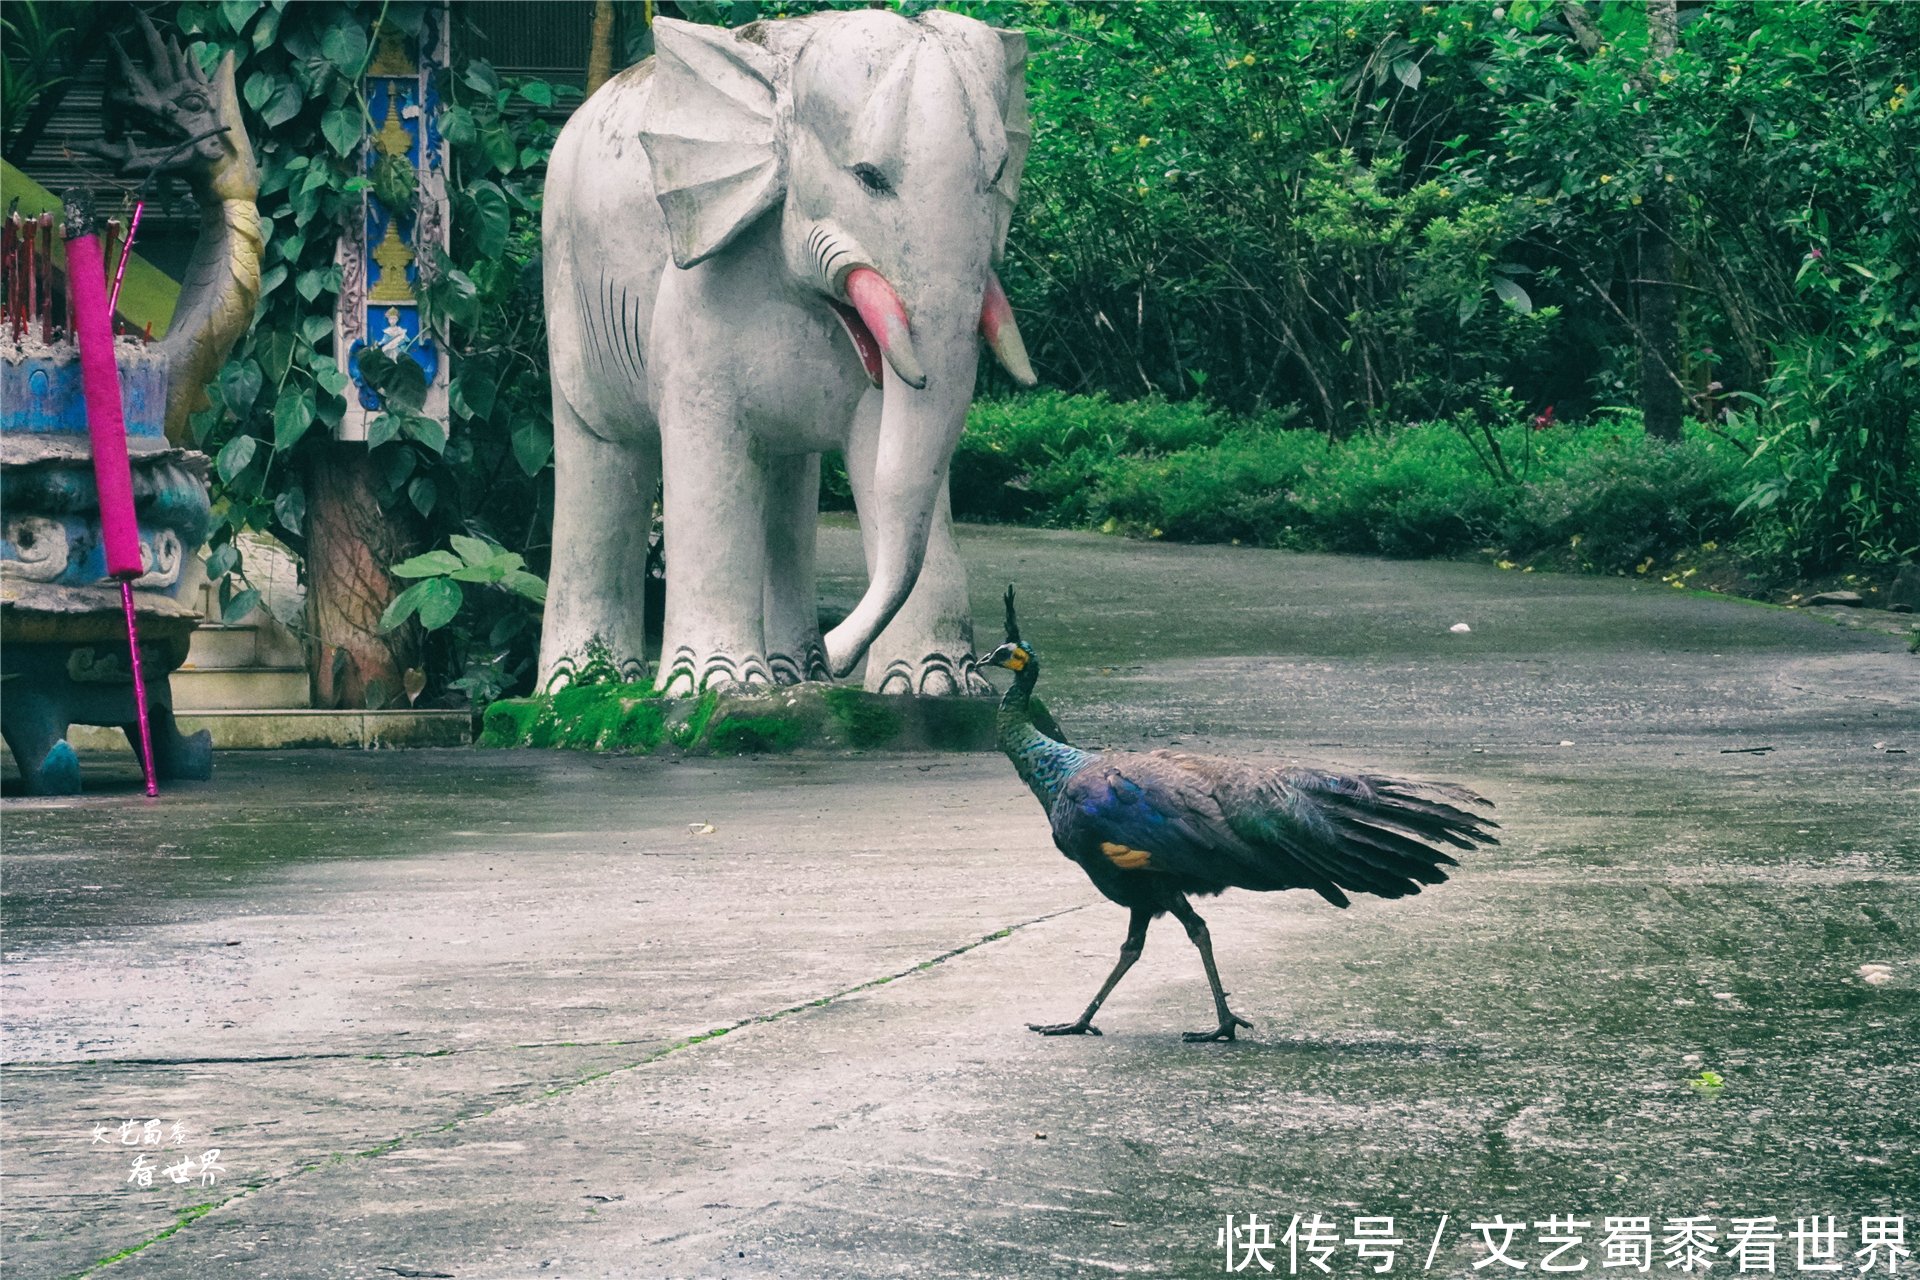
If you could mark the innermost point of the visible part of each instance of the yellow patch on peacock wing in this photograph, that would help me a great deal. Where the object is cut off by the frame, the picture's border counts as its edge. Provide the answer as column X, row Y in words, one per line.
column 1015, row 660
column 1124, row 858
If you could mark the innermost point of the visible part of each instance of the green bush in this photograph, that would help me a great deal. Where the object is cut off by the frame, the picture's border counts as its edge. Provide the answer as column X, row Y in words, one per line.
column 1190, row 473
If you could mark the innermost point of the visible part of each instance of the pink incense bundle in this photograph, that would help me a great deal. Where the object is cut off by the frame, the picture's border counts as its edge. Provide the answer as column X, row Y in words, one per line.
column 100, row 379
column 107, row 429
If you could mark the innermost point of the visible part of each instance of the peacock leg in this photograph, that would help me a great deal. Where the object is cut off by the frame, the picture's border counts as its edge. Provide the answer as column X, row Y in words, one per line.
column 1129, row 952
column 1197, row 931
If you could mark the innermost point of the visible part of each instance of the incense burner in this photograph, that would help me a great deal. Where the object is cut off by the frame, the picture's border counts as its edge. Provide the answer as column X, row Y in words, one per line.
column 63, row 643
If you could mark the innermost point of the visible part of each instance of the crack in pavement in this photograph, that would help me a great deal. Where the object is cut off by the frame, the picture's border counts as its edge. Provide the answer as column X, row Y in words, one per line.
column 200, row 1211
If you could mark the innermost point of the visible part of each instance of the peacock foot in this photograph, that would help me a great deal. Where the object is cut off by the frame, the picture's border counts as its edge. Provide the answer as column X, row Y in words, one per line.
column 1222, row 1032
column 1080, row 1028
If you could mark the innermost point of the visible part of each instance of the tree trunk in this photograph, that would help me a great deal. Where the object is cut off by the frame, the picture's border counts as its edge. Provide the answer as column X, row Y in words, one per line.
column 1661, row 403
column 600, row 52
column 351, row 541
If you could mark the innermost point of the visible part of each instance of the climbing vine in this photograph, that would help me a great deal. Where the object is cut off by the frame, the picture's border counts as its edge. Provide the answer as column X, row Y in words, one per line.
column 484, row 479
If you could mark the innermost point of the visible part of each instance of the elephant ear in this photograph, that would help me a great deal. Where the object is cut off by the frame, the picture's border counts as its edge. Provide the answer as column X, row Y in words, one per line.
column 710, row 135
column 1019, row 135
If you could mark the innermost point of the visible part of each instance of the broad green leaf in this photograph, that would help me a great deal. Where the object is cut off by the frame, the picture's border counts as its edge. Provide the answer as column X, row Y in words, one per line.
column 1512, row 294
column 430, row 564
column 266, row 29
column 498, row 142
column 272, row 278
column 1407, row 71
column 223, row 561
column 481, row 78
column 427, row 431
column 276, row 355
column 292, row 415
column 284, row 105
column 532, row 446
column 259, row 90
column 203, row 422
column 240, row 606
column 383, row 430
column 529, row 585
column 341, row 125
column 239, row 384
column 396, row 465
column 331, row 379
column 492, row 220
column 472, row 393
column 238, row 12
column 423, row 493
column 234, row 458
column 538, row 92
column 440, row 601
column 472, row 550
column 402, row 606
column 345, row 46
column 308, row 283
column 314, row 328
column 458, row 126
column 290, row 508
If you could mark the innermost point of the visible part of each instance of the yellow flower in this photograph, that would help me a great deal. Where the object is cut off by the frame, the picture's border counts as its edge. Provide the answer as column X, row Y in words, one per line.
column 1605, row 178
column 1352, row 32
column 1669, row 177
column 1257, row 134
column 1446, row 193
column 1147, row 101
column 1666, row 77
column 1140, row 190
column 1247, row 61
column 1144, row 141
column 1635, row 200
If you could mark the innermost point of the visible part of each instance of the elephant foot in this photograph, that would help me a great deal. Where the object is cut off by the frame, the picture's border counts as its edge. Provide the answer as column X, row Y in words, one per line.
column 596, row 662
column 58, row 773
column 686, row 673
column 935, row 674
column 809, row 664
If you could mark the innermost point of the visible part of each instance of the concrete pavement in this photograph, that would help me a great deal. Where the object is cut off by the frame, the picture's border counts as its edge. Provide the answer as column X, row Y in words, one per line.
column 452, row 1012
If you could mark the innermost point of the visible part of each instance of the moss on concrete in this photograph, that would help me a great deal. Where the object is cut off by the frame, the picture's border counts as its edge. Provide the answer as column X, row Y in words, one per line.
column 628, row 718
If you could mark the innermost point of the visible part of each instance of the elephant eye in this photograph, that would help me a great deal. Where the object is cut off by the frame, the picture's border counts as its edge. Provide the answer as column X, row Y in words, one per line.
column 872, row 179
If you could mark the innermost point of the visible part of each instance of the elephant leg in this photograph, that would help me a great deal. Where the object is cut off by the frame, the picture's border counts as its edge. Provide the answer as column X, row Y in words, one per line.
column 928, row 647
column 602, row 514
column 794, row 651
column 715, row 503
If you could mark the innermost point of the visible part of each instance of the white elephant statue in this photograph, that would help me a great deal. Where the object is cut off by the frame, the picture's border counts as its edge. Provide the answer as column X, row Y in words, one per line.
column 761, row 244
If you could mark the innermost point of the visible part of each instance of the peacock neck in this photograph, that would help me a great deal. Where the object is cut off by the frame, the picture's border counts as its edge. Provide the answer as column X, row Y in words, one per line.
column 1042, row 763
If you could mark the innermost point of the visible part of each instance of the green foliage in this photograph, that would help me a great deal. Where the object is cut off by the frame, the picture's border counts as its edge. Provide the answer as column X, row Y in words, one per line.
column 1379, row 210
column 282, row 393
column 1188, row 472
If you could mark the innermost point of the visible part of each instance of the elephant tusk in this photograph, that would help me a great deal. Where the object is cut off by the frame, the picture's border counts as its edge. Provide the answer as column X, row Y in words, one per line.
column 1003, row 335
column 886, row 319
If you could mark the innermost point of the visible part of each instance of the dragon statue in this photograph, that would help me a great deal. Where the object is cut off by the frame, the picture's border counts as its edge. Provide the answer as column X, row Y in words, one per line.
column 192, row 130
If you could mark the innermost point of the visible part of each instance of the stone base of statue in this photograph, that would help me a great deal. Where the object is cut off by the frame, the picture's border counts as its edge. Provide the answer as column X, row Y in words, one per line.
column 63, row 640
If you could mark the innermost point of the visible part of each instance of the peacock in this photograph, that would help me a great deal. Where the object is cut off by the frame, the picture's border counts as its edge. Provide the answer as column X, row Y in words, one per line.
column 1150, row 829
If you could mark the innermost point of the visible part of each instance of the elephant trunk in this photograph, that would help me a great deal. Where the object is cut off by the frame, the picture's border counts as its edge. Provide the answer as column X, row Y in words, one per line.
column 919, row 427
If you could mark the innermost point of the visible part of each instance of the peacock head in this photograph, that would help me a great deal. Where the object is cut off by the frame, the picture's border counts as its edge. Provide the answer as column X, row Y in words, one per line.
column 1015, row 655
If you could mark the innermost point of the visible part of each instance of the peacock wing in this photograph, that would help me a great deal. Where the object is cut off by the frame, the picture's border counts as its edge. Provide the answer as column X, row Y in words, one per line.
column 1146, row 813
